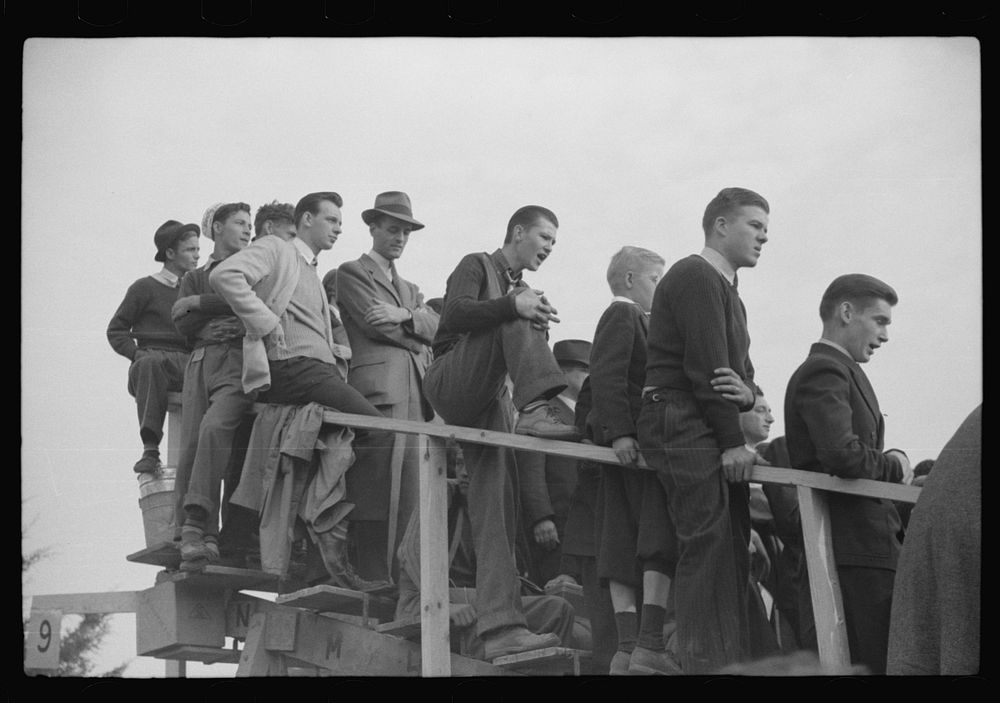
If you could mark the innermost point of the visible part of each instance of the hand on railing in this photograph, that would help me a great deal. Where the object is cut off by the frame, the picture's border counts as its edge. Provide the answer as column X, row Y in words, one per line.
column 546, row 535
column 737, row 464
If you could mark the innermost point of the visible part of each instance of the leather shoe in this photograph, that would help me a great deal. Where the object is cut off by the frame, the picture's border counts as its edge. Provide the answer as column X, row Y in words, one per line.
column 148, row 464
column 646, row 662
column 542, row 421
column 333, row 551
column 619, row 664
column 514, row 640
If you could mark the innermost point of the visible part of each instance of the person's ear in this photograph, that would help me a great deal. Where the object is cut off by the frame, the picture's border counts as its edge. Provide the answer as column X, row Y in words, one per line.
column 845, row 311
column 629, row 278
column 216, row 228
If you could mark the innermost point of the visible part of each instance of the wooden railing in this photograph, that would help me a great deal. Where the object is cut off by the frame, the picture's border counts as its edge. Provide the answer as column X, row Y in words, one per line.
column 828, row 608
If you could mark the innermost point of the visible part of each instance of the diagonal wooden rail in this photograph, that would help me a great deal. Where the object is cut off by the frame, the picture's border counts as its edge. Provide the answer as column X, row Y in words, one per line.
column 811, row 487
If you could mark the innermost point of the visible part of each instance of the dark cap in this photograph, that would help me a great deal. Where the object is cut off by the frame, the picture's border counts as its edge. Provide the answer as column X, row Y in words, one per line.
column 572, row 351
column 167, row 236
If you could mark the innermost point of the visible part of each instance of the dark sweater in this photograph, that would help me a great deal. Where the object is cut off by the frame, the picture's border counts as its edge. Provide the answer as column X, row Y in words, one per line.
column 468, row 304
column 143, row 320
column 698, row 324
column 210, row 306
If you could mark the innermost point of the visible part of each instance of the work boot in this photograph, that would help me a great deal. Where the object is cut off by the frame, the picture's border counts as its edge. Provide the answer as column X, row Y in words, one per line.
column 196, row 553
column 646, row 662
column 149, row 463
column 619, row 664
column 543, row 421
column 333, row 551
column 516, row 639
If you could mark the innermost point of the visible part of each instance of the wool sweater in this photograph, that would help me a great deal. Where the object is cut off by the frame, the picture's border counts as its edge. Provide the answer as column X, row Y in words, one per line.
column 143, row 320
column 698, row 324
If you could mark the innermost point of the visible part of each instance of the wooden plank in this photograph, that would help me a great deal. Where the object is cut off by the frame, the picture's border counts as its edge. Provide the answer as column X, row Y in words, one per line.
column 85, row 603
column 224, row 577
column 173, row 431
column 165, row 555
column 408, row 629
column 545, row 662
column 175, row 669
column 191, row 652
column 331, row 599
column 824, row 586
column 434, row 608
column 853, row 486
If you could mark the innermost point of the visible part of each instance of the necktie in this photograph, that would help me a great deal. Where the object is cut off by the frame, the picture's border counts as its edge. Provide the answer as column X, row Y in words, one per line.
column 395, row 280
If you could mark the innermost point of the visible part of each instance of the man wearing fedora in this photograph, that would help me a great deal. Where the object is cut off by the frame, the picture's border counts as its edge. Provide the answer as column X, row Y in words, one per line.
column 389, row 330
column 495, row 326
column 213, row 398
column 547, row 482
column 143, row 332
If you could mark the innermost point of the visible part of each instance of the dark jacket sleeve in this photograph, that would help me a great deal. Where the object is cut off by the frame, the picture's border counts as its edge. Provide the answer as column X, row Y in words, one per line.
column 211, row 305
column 700, row 310
column 822, row 399
column 536, row 504
column 463, row 310
column 610, row 358
column 120, row 328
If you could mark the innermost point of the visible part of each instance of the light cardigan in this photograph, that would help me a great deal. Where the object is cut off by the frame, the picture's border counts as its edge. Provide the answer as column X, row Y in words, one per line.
column 257, row 283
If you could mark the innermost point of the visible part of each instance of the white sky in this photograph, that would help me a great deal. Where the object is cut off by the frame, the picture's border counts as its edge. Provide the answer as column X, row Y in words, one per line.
column 868, row 151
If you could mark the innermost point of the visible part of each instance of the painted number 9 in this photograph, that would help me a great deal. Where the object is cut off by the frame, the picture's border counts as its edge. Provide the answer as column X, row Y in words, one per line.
column 45, row 635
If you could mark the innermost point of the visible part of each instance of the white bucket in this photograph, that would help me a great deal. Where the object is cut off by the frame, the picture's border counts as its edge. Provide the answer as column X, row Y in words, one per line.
column 156, row 500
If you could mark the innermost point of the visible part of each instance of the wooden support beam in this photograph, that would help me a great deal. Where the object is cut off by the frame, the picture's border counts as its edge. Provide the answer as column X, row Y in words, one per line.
column 173, row 429
column 85, row 603
column 256, row 660
column 435, row 645
column 824, row 586
column 852, row 486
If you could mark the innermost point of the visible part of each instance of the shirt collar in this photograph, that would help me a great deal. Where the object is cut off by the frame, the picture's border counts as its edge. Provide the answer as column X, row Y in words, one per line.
column 167, row 277
column 623, row 299
column 503, row 268
column 210, row 264
column 383, row 263
column 824, row 340
column 306, row 252
column 719, row 263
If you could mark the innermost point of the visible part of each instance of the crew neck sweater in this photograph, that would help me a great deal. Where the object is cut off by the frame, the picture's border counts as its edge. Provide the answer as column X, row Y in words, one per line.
column 143, row 319
column 698, row 324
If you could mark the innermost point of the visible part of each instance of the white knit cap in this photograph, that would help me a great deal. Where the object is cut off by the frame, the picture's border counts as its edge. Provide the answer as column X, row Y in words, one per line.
column 206, row 221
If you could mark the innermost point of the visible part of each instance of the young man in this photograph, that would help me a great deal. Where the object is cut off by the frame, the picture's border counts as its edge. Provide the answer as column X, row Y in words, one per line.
column 834, row 426
column 288, row 351
column 689, row 428
column 547, row 482
column 493, row 326
column 389, row 332
column 276, row 219
column 214, row 402
column 637, row 546
column 142, row 331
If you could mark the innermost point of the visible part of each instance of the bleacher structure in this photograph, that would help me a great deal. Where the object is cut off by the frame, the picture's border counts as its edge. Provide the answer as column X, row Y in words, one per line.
column 328, row 631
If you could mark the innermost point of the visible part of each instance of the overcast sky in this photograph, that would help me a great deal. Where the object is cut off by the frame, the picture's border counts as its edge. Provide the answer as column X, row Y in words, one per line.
column 868, row 151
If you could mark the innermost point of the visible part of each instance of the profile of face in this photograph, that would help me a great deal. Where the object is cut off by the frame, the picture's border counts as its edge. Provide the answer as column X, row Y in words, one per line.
column 234, row 234
column 575, row 376
column 320, row 230
column 184, row 255
column 533, row 244
column 744, row 232
column 756, row 423
column 389, row 236
column 642, row 284
column 867, row 327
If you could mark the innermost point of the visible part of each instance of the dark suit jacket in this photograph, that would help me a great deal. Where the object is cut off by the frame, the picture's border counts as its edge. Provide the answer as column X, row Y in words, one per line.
column 383, row 356
column 617, row 371
column 833, row 425
column 547, row 482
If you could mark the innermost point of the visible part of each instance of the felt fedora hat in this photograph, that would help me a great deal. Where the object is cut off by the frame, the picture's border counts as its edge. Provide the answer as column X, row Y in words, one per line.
column 393, row 203
column 167, row 235
column 572, row 351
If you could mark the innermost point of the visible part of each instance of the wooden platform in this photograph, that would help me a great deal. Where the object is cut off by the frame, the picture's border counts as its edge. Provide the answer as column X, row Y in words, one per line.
column 330, row 599
column 205, row 655
column 547, row 661
column 164, row 554
column 224, row 577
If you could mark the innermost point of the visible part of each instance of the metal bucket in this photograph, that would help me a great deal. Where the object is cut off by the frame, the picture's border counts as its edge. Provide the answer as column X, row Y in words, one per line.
column 156, row 500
